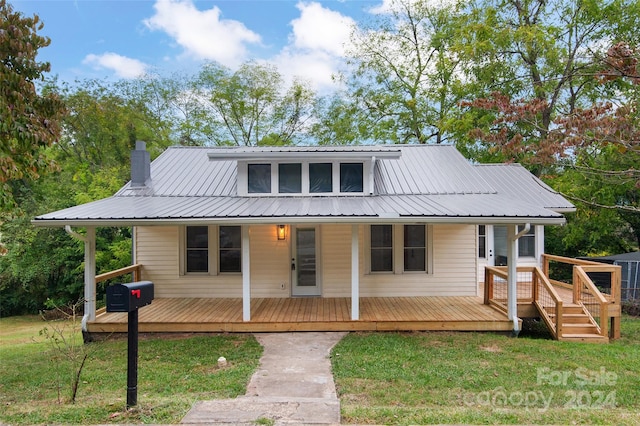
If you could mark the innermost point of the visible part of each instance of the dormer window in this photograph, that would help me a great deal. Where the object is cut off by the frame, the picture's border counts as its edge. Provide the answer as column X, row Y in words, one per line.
column 302, row 178
column 259, row 178
column 351, row 178
column 290, row 178
column 320, row 178
column 304, row 171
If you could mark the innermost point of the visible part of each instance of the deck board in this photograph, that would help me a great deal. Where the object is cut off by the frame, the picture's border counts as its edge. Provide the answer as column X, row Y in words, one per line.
column 309, row 314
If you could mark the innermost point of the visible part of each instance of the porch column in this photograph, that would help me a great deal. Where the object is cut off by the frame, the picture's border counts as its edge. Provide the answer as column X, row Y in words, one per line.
column 355, row 274
column 512, row 278
column 246, row 275
column 512, row 273
column 89, row 277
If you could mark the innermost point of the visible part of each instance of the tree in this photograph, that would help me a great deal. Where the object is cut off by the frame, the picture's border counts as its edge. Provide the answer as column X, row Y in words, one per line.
column 405, row 75
column 252, row 107
column 543, row 57
column 29, row 121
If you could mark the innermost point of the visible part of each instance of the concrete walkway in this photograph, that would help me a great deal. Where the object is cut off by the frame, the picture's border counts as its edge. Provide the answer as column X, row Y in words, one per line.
column 293, row 385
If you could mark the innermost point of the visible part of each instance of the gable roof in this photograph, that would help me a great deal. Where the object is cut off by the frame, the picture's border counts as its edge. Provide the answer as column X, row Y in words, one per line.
column 427, row 183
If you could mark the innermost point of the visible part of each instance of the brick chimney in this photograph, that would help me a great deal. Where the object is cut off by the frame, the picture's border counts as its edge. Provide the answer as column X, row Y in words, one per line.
column 140, row 165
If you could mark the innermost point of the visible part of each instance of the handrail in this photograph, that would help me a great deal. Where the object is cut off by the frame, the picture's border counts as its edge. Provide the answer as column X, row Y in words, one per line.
column 583, row 282
column 555, row 326
column 546, row 257
column 122, row 271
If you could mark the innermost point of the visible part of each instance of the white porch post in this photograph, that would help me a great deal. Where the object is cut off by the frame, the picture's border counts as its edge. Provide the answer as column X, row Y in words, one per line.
column 89, row 277
column 355, row 274
column 512, row 273
column 246, row 275
column 512, row 279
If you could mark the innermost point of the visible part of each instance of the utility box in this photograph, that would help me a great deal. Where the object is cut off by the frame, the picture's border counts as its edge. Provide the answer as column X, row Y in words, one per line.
column 129, row 297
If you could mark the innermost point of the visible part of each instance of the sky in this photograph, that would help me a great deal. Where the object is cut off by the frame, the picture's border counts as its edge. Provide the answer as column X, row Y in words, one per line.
column 124, row 39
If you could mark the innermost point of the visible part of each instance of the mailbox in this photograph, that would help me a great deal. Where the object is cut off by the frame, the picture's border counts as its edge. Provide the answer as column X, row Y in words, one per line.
column 129, row 297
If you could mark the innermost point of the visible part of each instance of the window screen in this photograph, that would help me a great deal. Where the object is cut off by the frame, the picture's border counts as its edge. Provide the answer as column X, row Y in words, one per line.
column 230, row 249
column 415, row 248
column 259, row 177
column 197, row 249
column 290, row 178
column 351, row 177
column 320, row 177
column 381, row 248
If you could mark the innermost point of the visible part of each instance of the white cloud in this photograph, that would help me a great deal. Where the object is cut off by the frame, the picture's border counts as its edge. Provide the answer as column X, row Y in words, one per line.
column 319, row 28
column 388, row 6
column 316, row 46
column 123, row 67
column 203, row 34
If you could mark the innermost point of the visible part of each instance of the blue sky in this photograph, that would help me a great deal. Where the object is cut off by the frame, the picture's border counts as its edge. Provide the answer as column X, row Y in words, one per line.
column 124, row 39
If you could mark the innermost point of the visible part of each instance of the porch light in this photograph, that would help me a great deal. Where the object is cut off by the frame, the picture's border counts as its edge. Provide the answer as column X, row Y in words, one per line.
column 282, row 232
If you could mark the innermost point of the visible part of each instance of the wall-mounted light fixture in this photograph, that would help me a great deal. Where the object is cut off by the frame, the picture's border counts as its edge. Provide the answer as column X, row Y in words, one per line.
column 282, row 232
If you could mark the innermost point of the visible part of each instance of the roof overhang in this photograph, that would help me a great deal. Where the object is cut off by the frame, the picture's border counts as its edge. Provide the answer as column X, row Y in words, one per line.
column 299, row 220
column 434, row 208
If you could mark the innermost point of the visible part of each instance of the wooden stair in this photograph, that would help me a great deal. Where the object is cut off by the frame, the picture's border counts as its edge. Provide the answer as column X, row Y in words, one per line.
column 577, row 325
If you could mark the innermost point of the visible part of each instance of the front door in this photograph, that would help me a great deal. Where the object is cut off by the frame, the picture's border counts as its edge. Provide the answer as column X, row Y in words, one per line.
column 304, row 274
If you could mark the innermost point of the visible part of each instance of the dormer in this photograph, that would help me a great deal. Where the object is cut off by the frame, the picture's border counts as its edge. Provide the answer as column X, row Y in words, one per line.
column 304, row 171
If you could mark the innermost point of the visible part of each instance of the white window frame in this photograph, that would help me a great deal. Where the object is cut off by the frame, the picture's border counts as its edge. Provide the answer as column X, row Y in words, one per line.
column 213, row 255
column 398, row 250
column 243, row 178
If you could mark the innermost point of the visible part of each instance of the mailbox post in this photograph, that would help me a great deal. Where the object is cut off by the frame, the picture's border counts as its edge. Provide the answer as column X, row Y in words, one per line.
column 129, row 298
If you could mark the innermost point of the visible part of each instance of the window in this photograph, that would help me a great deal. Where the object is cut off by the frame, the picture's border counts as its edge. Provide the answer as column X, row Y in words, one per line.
column 197, row 249
column 527, row 243
column 399, row 248
column 415, row 248
column 320, row 177
column 381, row 248
column 230, row 249
column 290, row 178
column 351, row 177
column 259, row 176
column 482, row 241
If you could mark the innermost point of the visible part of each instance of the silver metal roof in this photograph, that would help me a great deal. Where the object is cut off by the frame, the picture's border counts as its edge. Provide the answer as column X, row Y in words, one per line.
column 517, row 182
column 427, row 183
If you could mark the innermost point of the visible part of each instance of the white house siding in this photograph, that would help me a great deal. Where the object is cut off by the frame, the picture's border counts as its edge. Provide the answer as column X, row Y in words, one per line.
column 158, row 250
column 453, row 272
column 453, row 269
column 270, row 262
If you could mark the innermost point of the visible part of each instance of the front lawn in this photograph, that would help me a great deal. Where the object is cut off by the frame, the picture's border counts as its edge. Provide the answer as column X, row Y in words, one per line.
column 484, row 378
column 174, row 371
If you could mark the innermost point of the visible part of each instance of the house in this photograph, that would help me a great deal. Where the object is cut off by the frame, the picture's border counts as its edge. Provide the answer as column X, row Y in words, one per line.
column 321, row 237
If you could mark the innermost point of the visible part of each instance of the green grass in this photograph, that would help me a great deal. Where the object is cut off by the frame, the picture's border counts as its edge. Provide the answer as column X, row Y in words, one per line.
column 173, row 373
column 485, row 378
column 382, row 378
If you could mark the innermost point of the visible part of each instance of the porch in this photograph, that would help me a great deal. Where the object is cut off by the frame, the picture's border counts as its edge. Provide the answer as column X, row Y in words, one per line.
column 310, row 314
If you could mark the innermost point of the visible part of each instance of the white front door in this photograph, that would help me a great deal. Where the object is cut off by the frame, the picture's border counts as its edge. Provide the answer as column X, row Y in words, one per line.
column 304, row 273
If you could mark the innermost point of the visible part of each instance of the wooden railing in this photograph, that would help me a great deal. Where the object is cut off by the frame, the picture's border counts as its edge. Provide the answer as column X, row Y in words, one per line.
column 547, row 300
column 586, row 294
column 135, row 269
column 533, row 287
column 584, row 291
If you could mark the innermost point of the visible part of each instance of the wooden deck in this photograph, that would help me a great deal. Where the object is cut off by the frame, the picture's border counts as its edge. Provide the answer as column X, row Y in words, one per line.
column 310, row 314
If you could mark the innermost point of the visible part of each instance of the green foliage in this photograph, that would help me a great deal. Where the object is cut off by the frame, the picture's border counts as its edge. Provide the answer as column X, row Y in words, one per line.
column 29, row 122
column 406, row 80
column 251, row 106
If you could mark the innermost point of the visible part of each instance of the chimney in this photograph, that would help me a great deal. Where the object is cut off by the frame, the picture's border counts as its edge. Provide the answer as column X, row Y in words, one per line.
column 140, row 165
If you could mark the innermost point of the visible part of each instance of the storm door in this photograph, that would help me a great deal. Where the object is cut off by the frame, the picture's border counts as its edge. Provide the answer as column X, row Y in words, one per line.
column 304, row 273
